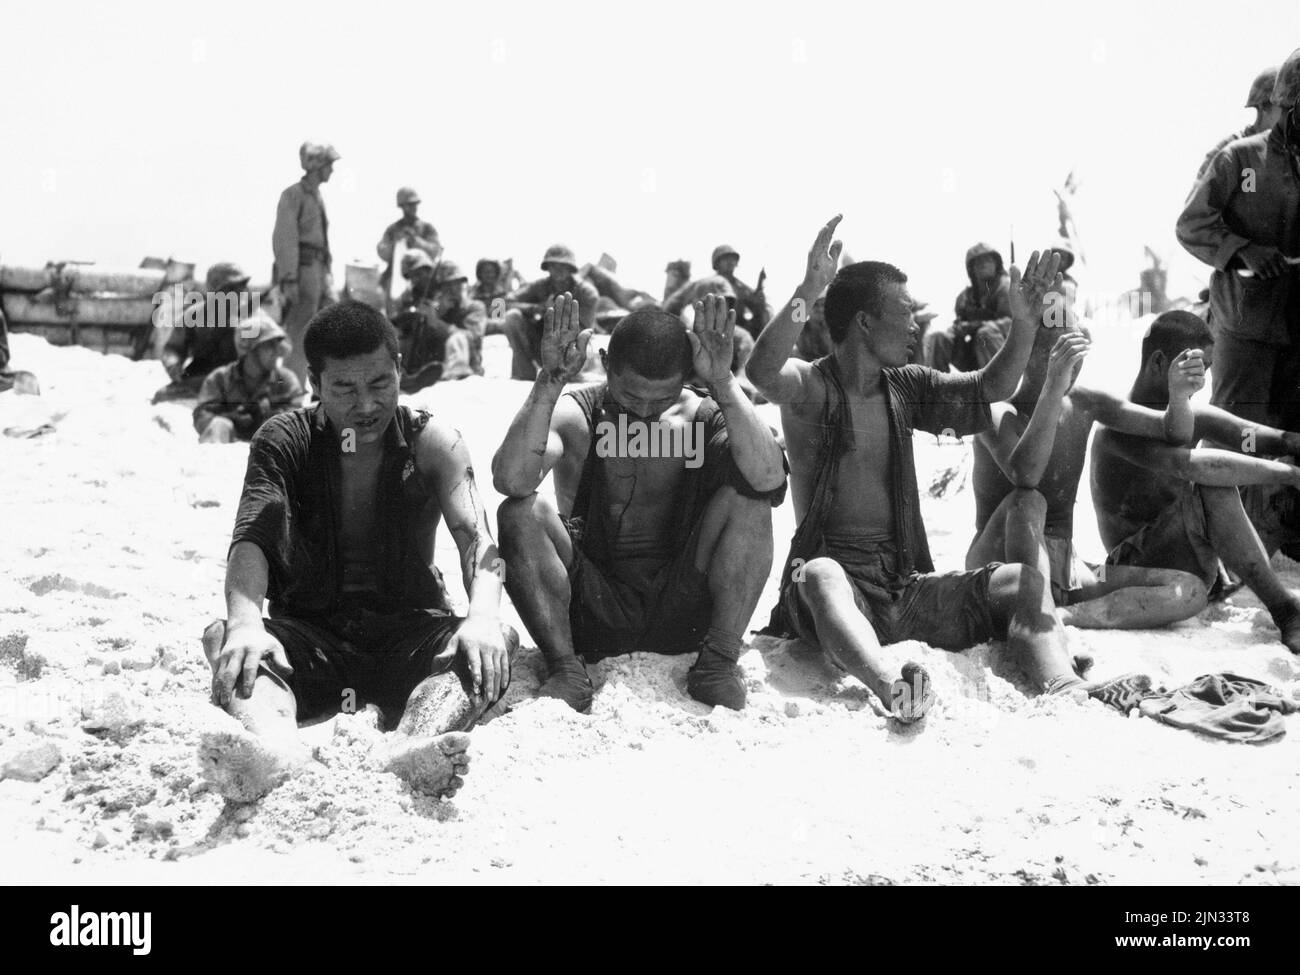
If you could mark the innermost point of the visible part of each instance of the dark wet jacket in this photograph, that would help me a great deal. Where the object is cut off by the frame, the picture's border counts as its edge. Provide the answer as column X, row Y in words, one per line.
column 290, row 510
column 1222, row 216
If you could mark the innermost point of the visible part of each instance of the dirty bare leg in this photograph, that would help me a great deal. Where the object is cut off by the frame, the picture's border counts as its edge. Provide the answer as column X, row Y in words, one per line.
column 1128, row 597
column 430, row 748
column 245, row 765
column 1020, row 596
column 849, row 639
column 1238, row 544
column 734, row 550
column 538, row 553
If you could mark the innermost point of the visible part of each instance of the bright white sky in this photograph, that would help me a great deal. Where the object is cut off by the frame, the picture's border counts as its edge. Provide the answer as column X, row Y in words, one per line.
column 652, row 131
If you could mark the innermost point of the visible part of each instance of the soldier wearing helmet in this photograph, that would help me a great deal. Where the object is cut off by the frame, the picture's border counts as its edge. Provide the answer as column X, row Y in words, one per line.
column 240, row 396
column 1243, row 215
column 442, row 332
column 194, row 350
column 1267, row 113
column 302, row 250
column 523, row 319
column 418, row 234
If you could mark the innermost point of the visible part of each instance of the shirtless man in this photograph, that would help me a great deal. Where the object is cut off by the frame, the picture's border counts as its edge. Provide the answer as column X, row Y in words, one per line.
column 859, row 573
column 1027, row 470
column 336, row 526
column 665, row 553
column 1172, row 507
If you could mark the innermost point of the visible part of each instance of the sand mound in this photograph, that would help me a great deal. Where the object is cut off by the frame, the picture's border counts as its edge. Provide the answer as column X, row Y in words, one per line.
column 116, row 530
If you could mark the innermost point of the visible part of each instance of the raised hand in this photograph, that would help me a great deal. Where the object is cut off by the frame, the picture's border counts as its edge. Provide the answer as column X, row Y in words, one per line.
column 823, row 257
column 1028, row 290
column 564, row 341
column 1064, row 361
column 713, row 339
column 1186, row 374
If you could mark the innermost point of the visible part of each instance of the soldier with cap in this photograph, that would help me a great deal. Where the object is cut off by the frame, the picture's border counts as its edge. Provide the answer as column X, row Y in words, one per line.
column 193, row 351
column 523, row 319
column 239, row 397
column 417, row 268
column 419, row 235
column 301, row 244
column 1243, row 219
column 1266, row 114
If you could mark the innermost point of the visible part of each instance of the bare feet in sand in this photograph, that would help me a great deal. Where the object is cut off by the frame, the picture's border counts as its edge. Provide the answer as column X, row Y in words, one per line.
column 912, row 695
column 1288, row 627
column 433, row 766
column 569, row 682
column 242, row 767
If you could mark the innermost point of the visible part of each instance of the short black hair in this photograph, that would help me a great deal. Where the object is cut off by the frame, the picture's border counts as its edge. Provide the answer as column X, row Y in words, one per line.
column 346, row 329
column 858, row 287
column 1174, row 332
column 652, row 343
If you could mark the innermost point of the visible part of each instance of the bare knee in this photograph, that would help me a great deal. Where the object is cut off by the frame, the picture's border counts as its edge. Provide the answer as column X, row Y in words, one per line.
column 1190, row 592
column 1029, row 504
column 214, row 638
column 524, row 517
column 822, row 580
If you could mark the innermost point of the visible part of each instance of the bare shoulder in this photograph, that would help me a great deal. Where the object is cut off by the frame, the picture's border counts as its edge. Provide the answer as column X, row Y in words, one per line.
column 440, row 448
column 570, row 424
column 811, row 389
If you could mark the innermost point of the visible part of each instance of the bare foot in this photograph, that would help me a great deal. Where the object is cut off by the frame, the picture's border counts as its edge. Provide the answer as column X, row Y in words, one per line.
column 912, row 695
column 1288, row 626
column 434, row 766
column 569, row 682
column 242, row 767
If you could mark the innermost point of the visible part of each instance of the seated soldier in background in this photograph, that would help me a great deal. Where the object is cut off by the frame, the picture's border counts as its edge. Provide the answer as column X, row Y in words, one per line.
column 527, row 305
column 236, row 399
column 441, row 337
column 859, row 575
column 337, row 526
column 1026, row 477
column 983, row 316
column 1175, row 507
column 659, row 535
column 197, row 347
column 490, row 288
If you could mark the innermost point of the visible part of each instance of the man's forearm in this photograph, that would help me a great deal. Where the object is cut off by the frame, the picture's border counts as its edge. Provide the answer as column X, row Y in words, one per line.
column 247, row 577
column 517, row 466
column 1180, row 422
column 1002, row 374
column 773, row 345
column 1029, row 459
column 753, row 448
